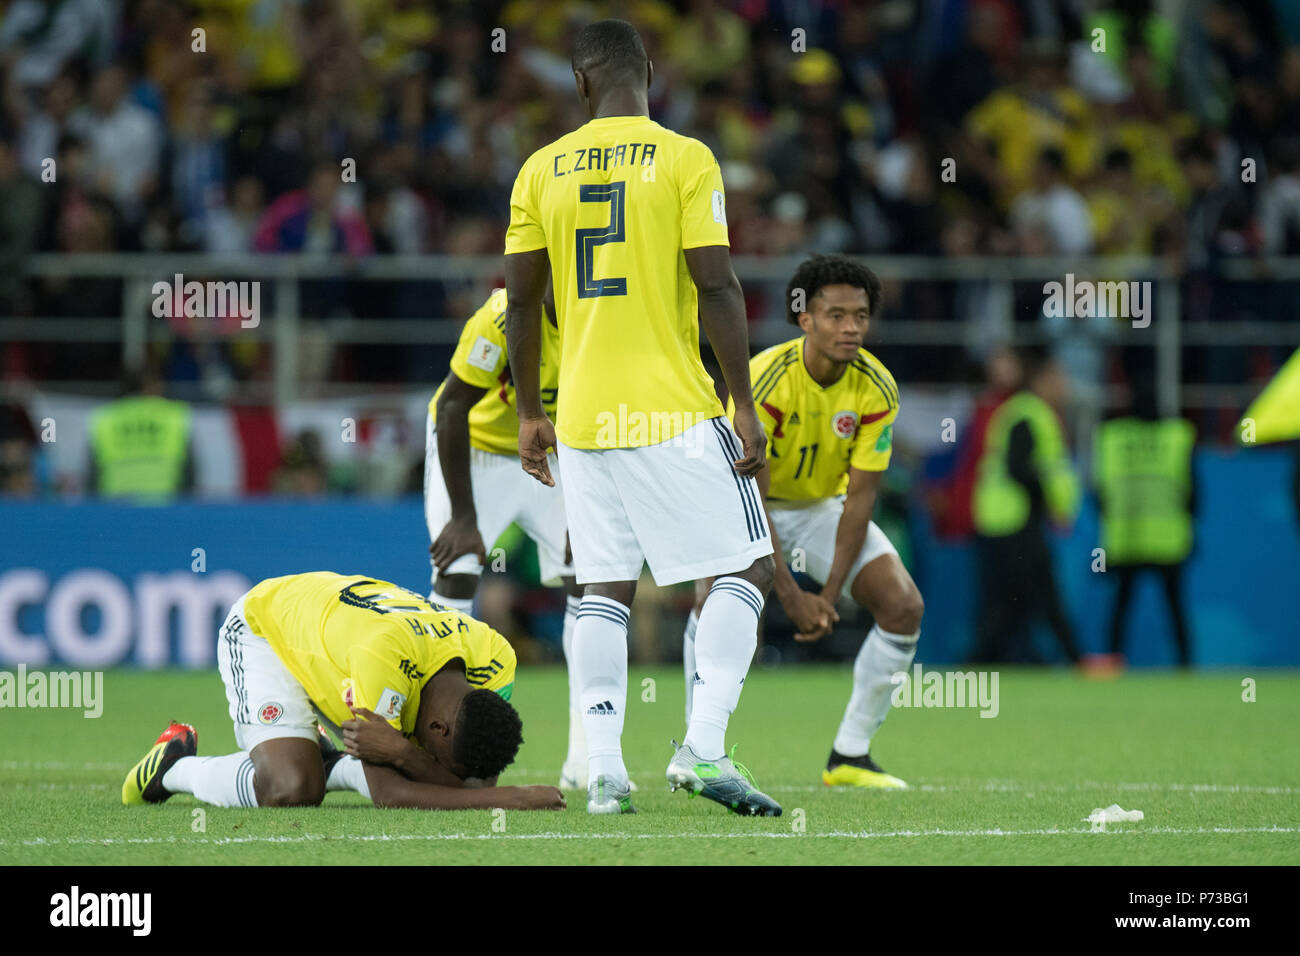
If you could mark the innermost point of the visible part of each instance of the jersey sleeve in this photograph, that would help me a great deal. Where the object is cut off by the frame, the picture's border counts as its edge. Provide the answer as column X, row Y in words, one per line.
column 875, row 439
column 379, row 685
column 525, row 232
column 704, row 207
column 504, row 680
column 480, row 355
column 494, row 662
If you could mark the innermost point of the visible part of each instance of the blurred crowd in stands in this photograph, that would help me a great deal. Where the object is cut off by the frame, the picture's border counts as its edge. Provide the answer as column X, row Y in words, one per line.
column 950, row 128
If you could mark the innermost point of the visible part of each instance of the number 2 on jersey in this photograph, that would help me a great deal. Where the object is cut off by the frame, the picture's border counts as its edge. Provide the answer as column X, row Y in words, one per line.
column 587, row 240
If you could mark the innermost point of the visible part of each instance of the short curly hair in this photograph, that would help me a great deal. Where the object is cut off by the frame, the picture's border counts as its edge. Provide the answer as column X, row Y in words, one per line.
column 488, row 734
column 819, row 271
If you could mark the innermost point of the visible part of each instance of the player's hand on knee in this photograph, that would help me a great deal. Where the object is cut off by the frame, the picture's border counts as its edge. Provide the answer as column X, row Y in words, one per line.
column 812, row 614
column 535, row 437
column 459, row 536
column 369, row 737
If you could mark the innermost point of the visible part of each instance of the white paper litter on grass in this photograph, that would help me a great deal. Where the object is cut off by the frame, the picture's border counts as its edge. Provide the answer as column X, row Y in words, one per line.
column 1114, row 814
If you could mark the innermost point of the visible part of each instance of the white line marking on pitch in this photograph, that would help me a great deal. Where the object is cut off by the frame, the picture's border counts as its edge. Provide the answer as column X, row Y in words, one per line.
column 962, row 786
column 835, row 834
column 1014, row 787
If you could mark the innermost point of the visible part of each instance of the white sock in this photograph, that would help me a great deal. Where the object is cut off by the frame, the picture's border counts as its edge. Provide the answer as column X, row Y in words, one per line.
column 883, row 655
column 577, row 756
column 600, row 652
column 348, row 773
column 688, row 659
column 221, row 781
column 725, row 640
column 460, row 604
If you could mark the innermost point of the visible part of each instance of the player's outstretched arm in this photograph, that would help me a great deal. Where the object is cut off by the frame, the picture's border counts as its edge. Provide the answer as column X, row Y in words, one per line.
column 722, row 313
column 526, row 274
column 851, row 534
column 461, row 534
column 389, row 789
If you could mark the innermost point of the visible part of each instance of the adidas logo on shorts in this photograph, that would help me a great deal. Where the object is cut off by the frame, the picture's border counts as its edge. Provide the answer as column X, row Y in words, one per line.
column 604, row 708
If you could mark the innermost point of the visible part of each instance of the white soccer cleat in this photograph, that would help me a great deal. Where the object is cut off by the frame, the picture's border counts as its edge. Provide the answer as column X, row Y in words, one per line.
column 607, row 796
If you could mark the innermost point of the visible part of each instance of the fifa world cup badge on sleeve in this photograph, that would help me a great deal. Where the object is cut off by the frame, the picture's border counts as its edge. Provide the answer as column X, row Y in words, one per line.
column 390, row 704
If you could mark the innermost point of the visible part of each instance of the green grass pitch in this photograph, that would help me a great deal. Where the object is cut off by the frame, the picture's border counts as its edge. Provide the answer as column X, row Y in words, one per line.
column 1217, row 778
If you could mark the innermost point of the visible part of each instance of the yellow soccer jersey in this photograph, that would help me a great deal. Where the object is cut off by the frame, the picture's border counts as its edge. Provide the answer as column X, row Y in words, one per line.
column 815, row 434
column 349, row 639
column 480, row 360
column 615, row 203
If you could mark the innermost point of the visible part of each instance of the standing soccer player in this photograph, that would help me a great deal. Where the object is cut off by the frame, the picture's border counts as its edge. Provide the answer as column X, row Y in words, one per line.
column 474, row 490
column 628, row 219
column 829, row 407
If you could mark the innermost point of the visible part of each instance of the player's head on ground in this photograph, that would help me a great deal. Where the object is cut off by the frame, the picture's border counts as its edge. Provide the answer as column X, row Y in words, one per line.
column 608, row 56
column 832, row 299
column 473, row 732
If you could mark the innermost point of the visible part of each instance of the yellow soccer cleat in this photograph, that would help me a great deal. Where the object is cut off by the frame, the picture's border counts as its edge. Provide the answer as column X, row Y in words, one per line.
column 858, row 772
column 143, row 784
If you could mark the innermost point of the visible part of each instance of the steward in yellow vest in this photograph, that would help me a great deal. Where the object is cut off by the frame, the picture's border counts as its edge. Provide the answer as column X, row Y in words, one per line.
column 1024, row 477
column 1142, row 467
column 140, row 447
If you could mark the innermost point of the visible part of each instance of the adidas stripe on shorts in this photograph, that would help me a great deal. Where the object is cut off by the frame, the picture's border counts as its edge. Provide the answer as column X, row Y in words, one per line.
column 266, row 701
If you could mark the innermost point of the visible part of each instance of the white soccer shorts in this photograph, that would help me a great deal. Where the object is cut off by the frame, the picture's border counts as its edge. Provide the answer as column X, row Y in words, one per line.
column 807, row 531
column 266, row 701
column 678, row 506
column 503, row 494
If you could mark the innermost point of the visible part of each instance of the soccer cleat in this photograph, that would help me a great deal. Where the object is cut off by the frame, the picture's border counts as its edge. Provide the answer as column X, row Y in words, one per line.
column 722, row 781
column 606, row 796
column 571, row 779
column 144, row 783
column 842, row 771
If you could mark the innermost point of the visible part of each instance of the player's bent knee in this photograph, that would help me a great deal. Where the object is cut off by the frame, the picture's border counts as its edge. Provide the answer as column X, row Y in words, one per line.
column 760, row 574
column 459, row 587
column 904, row 613
column 292, row 789
column 621, row 591
column 288, row 773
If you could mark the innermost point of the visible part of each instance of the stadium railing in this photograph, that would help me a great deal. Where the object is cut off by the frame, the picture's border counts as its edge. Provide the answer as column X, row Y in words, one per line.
column 135, row 326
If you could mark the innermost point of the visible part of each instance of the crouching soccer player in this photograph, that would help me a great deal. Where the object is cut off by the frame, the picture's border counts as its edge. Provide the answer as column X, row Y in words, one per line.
column 421, row 690
column 828, row 408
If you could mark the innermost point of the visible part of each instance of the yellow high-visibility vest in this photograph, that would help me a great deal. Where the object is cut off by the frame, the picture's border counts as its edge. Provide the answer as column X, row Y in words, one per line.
column 1000, row 504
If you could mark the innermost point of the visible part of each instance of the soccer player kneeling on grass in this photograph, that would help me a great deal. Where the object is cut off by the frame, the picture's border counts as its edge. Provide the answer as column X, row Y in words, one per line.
column 828, row 407
column 418, row 692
